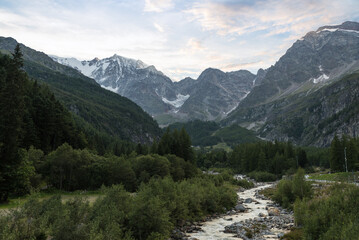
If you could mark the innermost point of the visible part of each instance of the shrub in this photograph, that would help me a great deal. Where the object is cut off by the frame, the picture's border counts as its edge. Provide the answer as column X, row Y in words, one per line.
column 334, row 216
column 262, row 176
column 289, row 190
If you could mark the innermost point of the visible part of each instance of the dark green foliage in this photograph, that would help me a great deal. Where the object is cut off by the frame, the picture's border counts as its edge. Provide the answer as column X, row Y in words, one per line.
column 242, row 183
column 199, row 131
column 151, row 213
column 11, row 115
column 210, row 133
column 146, row 167
column 341, row 148
column 302, row 158
column 288, row 190
column 177, row 143
column 216, row 158
column 71, row 169
column 108, row 218
column 332, row 216
column 318, row 156
column 270, row 157
column 236, row 135
column 262, row 176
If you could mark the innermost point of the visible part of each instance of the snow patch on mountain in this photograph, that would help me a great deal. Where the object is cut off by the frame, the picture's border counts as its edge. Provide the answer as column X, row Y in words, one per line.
column 177, row 103
column 89, row 68
column 254, row 81
column 81, row 66
column 321, row 78
column 232, row 109
column 337, row 29
column 110, row 88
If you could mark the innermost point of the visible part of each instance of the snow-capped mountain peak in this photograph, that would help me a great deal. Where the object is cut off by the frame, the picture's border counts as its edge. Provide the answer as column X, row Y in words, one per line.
column 130, row 78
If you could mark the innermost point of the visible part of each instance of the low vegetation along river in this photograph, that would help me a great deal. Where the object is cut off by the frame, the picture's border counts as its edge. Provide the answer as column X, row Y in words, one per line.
column 255, row 217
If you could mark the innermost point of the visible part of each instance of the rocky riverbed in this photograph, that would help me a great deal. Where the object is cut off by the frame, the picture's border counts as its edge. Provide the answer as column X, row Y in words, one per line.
column 254, row 217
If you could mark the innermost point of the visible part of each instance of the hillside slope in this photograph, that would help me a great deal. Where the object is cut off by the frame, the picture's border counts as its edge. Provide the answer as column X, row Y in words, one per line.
column 102, row 109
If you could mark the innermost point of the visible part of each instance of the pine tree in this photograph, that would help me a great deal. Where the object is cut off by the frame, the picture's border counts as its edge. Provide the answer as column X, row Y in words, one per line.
column 11, row 112
column 302, row 158
column 336, row 155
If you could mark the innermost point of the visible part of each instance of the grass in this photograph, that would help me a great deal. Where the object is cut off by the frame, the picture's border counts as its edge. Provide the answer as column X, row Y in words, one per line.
column 65, row 196
column 336, row 177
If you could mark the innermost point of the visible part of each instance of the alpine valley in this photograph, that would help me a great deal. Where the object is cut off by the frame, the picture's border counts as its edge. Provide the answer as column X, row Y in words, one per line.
column 309, row 95
column 113, row 148
column 306, row 97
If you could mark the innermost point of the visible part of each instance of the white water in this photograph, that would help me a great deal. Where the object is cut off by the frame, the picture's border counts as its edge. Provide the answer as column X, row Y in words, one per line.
column 213, row 230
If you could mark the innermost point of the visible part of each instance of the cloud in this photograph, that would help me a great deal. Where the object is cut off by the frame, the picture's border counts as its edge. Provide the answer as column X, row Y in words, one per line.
column 195, row 45
column 157, row 5
column 181, row 73
column 158, row 27
column 238, row 66
column 271, row 16
column 84, row 32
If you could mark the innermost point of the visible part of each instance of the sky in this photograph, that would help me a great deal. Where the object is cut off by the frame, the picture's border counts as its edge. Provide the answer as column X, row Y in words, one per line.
column 181, row 38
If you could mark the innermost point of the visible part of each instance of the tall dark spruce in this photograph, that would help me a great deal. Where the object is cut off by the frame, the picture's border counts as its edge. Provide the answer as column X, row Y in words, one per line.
column 11, row 112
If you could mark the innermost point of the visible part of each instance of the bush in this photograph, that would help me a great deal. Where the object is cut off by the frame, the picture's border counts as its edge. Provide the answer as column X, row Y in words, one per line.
column 334, row 216
column 289, row 190
column 262, row 176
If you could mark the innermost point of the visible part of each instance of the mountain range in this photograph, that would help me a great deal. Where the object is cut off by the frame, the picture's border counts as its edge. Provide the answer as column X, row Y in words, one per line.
column 211, row 97
column 306, row 97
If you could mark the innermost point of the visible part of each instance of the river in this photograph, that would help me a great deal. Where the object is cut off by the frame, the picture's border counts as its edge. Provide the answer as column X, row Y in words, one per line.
column 213, row 230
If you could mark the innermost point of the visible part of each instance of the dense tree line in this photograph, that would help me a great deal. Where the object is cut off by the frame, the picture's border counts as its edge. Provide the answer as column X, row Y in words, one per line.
column 208, row 133
column 177, row 143
column 29, row 116
column 344, row 154
column 260, row 160
column 75, row 169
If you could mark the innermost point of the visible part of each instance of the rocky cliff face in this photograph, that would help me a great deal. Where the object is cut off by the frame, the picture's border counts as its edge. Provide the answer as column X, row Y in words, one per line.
column 215, row 94
column 315, row 60
column 294, row 100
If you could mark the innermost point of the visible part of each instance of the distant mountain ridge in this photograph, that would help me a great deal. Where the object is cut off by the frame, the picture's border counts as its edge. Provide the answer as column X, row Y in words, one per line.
column 211, row 97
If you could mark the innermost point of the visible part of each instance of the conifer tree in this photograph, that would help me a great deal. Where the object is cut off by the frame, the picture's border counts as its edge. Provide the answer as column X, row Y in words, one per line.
column 336, row 155
column 11, row 112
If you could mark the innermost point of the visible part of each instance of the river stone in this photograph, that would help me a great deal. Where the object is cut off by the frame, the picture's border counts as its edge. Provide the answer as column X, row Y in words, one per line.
column 273, row 212
column 240, row 208
column 261, row 215
column 248, row 200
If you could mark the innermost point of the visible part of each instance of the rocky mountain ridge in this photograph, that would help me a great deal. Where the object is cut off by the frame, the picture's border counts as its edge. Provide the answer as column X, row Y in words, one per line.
column 282, row 106
column 211, row 97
